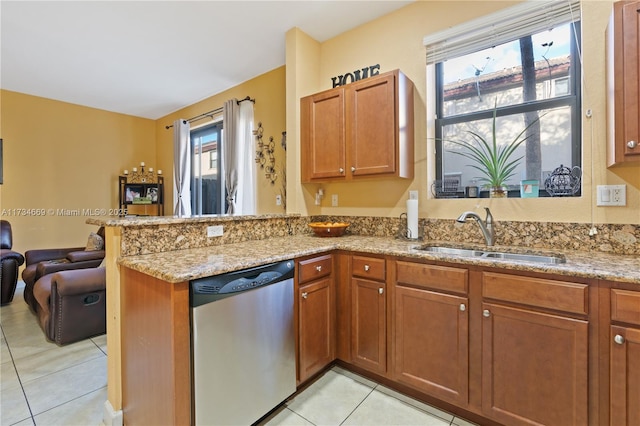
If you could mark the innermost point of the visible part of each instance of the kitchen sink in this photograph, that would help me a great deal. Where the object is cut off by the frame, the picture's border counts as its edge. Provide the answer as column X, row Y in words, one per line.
column 453, row 251
column 523, row 257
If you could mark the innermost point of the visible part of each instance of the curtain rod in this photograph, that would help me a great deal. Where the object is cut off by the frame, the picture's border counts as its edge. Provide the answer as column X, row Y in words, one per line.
column 210, row 113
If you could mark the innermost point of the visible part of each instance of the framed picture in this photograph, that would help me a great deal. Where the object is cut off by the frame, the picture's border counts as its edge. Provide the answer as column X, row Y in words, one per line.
column 152, row 194
column 131, row 192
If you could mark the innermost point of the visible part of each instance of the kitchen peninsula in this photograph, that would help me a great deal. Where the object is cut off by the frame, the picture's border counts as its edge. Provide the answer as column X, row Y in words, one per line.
column 150, row 262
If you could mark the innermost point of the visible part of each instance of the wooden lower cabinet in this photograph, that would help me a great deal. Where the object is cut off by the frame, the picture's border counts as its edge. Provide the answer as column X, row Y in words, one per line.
column 534, row 367
column 624, row 382
column 368, row 325
column 431, row 343
column 625, row 376
column 316, row 336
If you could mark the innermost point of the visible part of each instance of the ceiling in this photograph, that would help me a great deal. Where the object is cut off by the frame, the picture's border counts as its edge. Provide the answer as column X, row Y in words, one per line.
column 150, row 58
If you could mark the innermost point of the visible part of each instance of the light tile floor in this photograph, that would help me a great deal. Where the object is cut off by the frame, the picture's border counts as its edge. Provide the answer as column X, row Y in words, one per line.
column 44, row 384
column 340, row 397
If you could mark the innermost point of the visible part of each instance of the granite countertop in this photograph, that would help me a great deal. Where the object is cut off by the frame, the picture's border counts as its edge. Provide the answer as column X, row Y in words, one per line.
column 184, row 265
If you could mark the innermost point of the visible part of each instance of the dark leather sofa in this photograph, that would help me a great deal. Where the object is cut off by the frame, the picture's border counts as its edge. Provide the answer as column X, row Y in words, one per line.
column 66, row 289
column 41, row 262
column 71, row 305
column 10, row 262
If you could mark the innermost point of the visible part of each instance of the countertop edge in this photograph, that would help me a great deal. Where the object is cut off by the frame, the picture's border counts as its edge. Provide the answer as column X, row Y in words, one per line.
column 185, row 265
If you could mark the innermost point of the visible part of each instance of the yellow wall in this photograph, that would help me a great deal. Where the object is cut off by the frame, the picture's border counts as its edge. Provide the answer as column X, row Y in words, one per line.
column 269, row 92
column 61, row 156
column 395, row 41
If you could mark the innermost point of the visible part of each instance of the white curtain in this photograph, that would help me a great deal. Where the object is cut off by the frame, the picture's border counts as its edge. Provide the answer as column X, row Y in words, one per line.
column 246, row 196
column 229, row 163
column 181, row 168
column 237, row 155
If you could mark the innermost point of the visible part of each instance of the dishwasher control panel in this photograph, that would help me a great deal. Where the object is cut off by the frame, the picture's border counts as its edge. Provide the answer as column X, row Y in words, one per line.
column 204, row 290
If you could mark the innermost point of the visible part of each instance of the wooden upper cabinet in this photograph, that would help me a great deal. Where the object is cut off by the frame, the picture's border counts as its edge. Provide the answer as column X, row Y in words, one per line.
column 361, row 129
column 623, row 74
column 323, row 135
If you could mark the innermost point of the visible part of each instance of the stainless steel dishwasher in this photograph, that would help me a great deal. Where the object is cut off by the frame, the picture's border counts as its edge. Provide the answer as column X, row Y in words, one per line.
column 243, row 344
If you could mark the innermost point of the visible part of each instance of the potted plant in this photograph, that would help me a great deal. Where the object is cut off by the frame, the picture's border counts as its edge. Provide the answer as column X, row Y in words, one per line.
column 494, row 161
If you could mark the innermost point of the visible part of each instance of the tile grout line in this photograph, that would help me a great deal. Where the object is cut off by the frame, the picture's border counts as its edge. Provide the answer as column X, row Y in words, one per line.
column 13, row 362
column 360, row 403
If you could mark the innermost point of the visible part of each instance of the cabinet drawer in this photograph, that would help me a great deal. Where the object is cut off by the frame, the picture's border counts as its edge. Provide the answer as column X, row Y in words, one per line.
column 315, row 268
column 368, row 267
column 538, row 292
column 432, row 276
column 625, row 306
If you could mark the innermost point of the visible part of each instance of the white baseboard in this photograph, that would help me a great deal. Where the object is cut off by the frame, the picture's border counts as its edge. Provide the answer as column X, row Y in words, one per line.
column 110, row 417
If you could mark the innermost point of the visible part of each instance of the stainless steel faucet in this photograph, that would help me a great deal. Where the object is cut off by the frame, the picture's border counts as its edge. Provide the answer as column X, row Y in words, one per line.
column 486, row 227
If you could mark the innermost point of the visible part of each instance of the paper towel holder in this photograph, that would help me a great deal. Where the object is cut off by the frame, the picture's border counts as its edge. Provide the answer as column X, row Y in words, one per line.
column 403, row 230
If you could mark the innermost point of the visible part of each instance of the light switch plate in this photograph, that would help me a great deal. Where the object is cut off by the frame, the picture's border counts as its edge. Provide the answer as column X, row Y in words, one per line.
column 413, row 195
column 611, row 195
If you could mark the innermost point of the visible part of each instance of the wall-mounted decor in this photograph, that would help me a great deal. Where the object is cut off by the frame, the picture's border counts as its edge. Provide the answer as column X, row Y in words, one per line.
column 264, row 155
column 356, row 75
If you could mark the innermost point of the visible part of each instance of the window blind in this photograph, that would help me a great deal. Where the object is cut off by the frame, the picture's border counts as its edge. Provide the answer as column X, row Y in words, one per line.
column 501, row 27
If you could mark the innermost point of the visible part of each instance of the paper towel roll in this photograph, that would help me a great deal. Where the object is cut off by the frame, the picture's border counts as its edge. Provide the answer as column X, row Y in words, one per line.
column 412, row 219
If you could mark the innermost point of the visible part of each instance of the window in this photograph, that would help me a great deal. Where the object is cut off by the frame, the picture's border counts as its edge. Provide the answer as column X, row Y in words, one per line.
column 206, row 186
column 534, row 77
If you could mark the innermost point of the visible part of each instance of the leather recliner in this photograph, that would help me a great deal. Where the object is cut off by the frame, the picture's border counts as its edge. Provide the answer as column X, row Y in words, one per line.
column 10, row 262
column 71, row 305
column 42, row 262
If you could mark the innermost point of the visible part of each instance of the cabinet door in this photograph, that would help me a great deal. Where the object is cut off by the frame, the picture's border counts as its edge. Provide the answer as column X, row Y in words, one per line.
column 371, row 126
column 431, row 343
column 534, row 367
column 316, row 327
column 322, row 135
column 625, row 376
column 368, row 325
column 625, row 73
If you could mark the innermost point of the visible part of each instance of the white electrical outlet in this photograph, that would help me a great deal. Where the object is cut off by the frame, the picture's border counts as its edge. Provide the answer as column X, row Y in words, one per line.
column 611, row 195
column 413, row 195
column 334, row 200
column 278, row 200
column 214, row 231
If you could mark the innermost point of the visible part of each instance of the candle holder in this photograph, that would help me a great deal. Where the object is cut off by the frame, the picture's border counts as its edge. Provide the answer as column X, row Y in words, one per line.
column 144, row 175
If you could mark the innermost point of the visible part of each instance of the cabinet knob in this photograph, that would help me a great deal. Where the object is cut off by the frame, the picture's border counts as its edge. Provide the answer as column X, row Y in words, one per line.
column 319, row 268
column 304, row 295
column 381, row 290
column 366, row 268
column 618, row 339
column 463, row 307
column 341, row 170
column 353, row 169
column 632, row 144
column 486, row 313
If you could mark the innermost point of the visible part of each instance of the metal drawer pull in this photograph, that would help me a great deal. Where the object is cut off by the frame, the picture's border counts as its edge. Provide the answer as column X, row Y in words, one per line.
column 486, row 313
column 632, row 144
column 304, row 295
column 463, row 307
column 618, row 339
column 367, row 267
column 353, row 169
column 381, row 290
column 341, row 170
column 319, row 268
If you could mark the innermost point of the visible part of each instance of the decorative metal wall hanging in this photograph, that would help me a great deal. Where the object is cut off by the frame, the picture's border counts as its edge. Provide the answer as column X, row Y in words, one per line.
column 264, row 155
